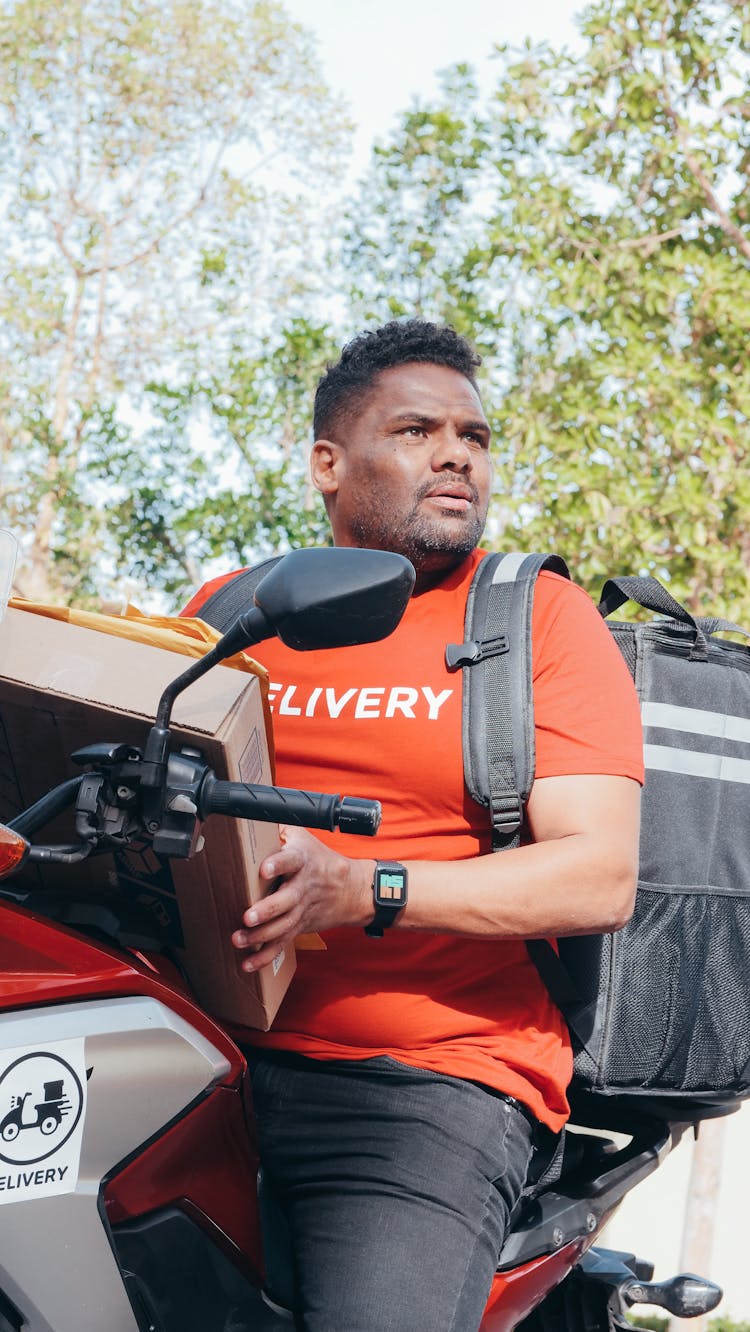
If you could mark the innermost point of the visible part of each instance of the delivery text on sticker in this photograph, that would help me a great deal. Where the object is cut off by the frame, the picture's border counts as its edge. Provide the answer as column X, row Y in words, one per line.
column 42, row 1113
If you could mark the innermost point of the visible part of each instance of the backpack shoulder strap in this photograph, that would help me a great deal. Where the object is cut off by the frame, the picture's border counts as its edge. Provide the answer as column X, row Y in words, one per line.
column 498, row 705
column 221, row 609
column 498, row 724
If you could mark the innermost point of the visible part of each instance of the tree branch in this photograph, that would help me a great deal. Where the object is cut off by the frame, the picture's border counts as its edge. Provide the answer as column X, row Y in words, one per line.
column 654, row 239
column 729, row 227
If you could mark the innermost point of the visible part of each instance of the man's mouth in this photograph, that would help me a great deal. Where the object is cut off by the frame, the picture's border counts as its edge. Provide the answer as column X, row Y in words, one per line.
column 452, row 499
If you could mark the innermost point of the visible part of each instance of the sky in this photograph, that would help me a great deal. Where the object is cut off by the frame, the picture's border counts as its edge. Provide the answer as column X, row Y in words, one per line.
column 380, row 54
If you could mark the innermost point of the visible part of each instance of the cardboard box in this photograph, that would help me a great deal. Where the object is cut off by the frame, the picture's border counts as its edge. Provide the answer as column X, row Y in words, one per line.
column 62, row 687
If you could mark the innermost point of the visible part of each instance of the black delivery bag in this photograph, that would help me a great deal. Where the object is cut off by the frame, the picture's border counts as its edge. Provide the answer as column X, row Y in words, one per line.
column 662, row 1007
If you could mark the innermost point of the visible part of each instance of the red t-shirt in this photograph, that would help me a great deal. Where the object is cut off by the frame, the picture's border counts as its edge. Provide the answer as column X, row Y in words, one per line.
column 384, row 721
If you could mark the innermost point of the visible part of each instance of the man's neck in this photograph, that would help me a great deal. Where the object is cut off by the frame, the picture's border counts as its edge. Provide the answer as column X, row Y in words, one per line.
column 429, row 577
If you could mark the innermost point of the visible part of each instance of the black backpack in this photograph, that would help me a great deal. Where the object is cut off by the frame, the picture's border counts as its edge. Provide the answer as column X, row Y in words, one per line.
column 661, row 1008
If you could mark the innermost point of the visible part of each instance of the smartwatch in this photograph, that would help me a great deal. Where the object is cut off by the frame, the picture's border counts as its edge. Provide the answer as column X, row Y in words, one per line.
column 389, row 896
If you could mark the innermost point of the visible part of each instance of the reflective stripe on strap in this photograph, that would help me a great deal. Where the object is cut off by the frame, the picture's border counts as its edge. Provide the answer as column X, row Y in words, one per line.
column 507, row 568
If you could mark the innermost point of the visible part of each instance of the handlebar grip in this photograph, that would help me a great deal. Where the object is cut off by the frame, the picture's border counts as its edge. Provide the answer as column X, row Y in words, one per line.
column 277, row 804
column 356, row 815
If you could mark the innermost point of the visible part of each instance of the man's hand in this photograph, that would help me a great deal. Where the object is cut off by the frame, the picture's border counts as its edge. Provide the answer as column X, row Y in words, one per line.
column 310, row 888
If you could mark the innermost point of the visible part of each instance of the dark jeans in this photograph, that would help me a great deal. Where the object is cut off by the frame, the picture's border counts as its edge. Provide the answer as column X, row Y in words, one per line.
column 397, row 1184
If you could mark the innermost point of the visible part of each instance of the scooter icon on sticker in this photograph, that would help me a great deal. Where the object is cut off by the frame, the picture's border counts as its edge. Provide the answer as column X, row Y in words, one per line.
column 42, row 1098
column 49, row 1112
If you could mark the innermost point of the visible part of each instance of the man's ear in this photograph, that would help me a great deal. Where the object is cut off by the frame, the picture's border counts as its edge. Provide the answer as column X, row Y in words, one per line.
column 325, row 461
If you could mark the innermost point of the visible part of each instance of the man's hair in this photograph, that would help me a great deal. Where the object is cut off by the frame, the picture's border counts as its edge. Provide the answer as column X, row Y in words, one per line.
column 396, row 343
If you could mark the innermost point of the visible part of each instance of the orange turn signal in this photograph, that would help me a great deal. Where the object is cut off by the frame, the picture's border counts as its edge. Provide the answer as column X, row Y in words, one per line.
column 13, row 851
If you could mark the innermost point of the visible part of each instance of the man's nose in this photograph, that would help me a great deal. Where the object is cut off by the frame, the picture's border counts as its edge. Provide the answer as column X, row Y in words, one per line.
column 451, row 451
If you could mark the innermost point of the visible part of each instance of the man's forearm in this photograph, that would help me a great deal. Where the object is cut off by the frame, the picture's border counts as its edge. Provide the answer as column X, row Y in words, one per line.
column 546, row 889
column 577, row 877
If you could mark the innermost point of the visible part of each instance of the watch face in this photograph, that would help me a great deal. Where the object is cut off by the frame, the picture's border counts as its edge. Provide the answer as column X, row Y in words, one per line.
column 390, row 886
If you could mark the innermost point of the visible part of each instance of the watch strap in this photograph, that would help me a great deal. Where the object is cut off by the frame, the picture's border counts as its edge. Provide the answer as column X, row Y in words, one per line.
column 389, row 882
column 383, row 918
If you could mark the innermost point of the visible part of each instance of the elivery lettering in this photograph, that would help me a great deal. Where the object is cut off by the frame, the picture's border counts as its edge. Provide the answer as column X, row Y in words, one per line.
column 368, row 704
column 25, row 1178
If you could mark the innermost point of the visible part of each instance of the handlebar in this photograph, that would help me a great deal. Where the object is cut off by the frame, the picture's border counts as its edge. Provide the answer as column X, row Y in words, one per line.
column 277, row 804
column 110, row 811
column 47, row 808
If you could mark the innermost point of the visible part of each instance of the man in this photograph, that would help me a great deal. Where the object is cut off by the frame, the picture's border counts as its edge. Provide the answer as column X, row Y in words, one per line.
column 407, row 1077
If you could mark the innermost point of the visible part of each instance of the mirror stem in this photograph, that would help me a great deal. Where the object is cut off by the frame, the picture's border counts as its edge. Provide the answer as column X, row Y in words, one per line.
column 252, row 627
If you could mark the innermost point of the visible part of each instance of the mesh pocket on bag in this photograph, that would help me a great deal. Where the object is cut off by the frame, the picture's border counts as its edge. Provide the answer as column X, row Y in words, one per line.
column 678, row 1013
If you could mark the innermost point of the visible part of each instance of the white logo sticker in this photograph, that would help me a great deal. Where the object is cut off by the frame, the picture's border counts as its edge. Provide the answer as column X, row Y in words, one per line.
column 42, row 1113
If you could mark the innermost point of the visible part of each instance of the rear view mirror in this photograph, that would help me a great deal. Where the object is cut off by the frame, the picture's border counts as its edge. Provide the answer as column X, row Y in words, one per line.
column 335, row 597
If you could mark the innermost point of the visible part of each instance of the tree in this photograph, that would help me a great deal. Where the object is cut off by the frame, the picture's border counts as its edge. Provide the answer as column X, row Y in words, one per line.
column 158, row 176
column 593, row 236
column 220, row 477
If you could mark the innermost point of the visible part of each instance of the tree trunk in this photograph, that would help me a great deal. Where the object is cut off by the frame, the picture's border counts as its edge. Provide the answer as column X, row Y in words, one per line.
column 700, row 1212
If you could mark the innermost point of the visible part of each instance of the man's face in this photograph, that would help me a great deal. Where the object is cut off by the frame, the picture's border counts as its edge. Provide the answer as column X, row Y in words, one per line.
column 410, row 470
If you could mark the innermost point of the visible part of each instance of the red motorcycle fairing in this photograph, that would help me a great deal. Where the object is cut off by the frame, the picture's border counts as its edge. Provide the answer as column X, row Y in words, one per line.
column 196, row 1162
column 43, row 962
column 517, row 1293
column 207, row 1165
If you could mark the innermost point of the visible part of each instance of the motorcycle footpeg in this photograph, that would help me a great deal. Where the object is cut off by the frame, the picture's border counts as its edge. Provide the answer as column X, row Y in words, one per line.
column 684, row 1296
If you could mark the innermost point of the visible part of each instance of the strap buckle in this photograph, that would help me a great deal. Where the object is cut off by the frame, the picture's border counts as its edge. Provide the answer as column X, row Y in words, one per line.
column 467, row 654
column 507, row 813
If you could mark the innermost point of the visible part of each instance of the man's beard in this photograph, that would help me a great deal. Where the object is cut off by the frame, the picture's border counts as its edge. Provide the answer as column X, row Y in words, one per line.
column 429, row 542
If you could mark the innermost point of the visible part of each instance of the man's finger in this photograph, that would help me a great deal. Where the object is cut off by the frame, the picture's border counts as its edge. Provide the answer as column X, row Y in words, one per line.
column 265, row 956
column 270, row 907
column 280, row 864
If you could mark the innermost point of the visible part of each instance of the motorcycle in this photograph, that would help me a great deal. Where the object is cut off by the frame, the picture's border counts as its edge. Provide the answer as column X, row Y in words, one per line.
column 134, row 1201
